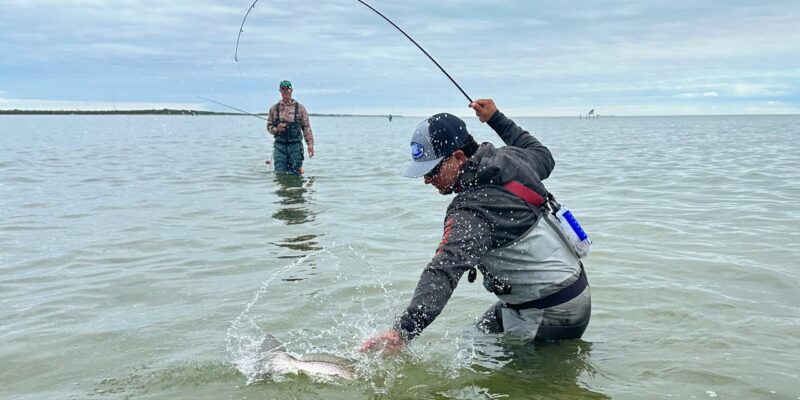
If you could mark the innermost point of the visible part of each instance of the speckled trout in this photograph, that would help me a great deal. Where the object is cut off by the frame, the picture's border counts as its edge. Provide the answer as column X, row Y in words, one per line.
column 276, row 361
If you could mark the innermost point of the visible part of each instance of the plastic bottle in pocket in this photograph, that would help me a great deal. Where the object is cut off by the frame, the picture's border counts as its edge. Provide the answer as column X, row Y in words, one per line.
column 574, row 231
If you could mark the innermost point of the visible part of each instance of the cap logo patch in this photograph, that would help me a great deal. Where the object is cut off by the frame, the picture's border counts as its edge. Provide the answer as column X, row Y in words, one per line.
column 416, row 151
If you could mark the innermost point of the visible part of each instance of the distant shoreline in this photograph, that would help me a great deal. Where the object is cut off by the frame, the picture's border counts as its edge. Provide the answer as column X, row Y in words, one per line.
column 167, row 111
column 164, row 111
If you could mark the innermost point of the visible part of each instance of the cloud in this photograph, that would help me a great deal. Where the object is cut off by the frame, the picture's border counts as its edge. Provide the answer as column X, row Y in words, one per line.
column 71, row 105
column 760, row 90
column 773, row 107
column 556, row 57
column 695, row 95
column 118, row 50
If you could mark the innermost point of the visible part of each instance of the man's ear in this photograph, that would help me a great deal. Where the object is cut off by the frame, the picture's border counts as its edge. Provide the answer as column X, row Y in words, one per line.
column 460, row 156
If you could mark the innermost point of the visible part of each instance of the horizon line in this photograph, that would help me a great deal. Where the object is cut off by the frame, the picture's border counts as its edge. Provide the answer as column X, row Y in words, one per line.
column 177, row 111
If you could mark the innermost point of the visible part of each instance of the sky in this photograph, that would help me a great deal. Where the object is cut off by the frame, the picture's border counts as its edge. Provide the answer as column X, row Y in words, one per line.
column 534, row 58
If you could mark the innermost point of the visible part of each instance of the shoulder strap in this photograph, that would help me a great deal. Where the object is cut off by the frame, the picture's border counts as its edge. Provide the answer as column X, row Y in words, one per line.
column 296, row 106
column 525, row 193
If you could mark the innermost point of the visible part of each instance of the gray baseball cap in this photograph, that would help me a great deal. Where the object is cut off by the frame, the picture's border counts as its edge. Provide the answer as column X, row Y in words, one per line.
column 434, row 139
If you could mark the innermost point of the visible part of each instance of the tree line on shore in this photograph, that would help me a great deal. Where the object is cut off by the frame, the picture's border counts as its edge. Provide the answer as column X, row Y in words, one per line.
column 164, row 111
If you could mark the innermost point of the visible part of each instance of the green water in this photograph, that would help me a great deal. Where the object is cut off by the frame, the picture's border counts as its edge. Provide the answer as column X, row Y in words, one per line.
column 145, row 256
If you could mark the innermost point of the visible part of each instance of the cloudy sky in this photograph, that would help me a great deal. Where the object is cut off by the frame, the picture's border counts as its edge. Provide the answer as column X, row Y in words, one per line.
column 535, row 58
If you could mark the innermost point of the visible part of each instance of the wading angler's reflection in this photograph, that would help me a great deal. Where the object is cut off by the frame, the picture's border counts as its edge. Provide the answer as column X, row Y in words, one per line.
column 292, row 191
column 546, row 369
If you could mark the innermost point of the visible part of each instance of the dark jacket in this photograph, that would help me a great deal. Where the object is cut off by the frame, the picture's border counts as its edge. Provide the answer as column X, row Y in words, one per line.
column 481, row 217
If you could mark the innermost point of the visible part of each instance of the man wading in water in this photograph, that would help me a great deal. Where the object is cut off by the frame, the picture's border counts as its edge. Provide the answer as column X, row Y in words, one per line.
column 288, row 122
column 502, row 223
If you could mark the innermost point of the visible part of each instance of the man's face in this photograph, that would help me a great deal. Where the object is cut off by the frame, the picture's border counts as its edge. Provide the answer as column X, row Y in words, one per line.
column 286, row 93
column 445, row 175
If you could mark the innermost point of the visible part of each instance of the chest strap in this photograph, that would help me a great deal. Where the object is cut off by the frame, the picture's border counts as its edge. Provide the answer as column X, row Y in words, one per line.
column 525, row 193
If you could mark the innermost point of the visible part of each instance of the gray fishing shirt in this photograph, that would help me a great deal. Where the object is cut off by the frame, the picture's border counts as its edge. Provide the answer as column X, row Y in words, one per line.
column 482, row 216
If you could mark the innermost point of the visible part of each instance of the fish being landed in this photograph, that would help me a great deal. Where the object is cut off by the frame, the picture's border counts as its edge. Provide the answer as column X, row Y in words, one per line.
column 276, row 361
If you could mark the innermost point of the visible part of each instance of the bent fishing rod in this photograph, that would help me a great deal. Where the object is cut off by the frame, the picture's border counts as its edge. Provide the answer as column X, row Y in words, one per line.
column 232, row 108
column 241, row 28
column 419, row 47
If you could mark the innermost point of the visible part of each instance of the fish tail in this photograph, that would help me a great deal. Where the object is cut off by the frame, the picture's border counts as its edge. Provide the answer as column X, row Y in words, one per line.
column 271, row 344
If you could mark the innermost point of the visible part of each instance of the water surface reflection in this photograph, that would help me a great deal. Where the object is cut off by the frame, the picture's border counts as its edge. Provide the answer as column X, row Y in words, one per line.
column 536, row 371
column 295, row 194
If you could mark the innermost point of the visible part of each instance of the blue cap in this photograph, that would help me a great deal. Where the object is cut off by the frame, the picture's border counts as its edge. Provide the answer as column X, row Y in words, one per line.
column 434, row 139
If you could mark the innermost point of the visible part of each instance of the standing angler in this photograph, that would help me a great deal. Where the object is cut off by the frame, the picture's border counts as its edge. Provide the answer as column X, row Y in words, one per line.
column 288, row 123
column 502, row 222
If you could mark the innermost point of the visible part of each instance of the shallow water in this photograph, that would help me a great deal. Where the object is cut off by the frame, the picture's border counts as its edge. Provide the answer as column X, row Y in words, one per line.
column 146, row 256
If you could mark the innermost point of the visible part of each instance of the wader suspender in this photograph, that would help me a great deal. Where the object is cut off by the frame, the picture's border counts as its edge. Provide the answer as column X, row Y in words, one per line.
column 530, row 197
column 525, row 193
column 296, row 106
column 564, row 295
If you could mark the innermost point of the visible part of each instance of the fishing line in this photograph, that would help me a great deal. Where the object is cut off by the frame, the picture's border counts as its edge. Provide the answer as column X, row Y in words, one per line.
column 231, row 107
column 269, row 161
column 418, row 46
column 236, row 59
column 241, row 29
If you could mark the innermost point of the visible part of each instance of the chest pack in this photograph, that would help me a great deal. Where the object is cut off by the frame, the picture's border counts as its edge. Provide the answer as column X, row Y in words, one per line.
column 293, row 132
column 572, row 232
column 524, row 273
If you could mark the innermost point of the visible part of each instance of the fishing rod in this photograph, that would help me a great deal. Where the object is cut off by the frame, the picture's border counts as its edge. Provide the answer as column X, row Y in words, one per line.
column 241, row 29
column 418, row 46
column 232, row 108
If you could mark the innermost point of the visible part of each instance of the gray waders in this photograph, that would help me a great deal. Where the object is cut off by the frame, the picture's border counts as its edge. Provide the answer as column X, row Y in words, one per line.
column 525, row 269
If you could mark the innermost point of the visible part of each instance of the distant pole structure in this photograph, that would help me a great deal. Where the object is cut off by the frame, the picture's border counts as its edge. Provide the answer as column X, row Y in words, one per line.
column 591, row 114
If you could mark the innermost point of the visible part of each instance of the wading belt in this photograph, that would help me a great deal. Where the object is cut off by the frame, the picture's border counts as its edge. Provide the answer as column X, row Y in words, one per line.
column 564, row 295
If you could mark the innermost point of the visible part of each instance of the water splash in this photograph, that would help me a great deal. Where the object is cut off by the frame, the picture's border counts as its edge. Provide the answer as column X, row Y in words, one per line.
column 244, row 336
column 344, row 327
column 339, row 325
